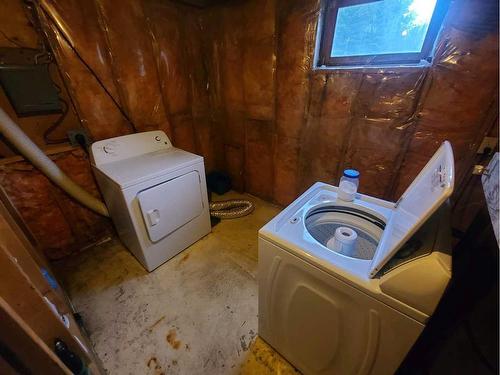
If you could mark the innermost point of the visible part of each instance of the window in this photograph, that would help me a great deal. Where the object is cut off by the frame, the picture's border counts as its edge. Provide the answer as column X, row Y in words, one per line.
column 380, row 32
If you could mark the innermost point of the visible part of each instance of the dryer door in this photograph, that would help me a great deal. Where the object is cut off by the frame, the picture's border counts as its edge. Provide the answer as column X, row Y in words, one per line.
column 170, row 205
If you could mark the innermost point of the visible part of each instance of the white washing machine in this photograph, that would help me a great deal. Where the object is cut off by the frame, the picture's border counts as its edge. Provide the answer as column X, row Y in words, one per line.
column 358, row 311
column 156, row 194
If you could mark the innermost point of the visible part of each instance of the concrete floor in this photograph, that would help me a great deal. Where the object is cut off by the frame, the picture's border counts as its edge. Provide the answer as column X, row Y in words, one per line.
column 196, row 314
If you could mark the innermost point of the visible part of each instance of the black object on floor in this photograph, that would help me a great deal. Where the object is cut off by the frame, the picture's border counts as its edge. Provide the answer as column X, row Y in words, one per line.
column 70, row 359
column 78, row 319
column 218, row 182
column 214, row 221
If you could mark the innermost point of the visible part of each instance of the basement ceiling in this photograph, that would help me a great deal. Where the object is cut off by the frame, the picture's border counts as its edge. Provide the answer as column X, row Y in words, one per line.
column 203, row 3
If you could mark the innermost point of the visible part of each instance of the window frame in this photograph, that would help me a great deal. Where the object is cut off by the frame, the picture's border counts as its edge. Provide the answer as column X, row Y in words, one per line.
column 329, row 24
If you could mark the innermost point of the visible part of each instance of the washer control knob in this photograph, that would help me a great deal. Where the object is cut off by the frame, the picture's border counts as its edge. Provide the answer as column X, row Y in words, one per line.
column 158, row 138
column 109, row 148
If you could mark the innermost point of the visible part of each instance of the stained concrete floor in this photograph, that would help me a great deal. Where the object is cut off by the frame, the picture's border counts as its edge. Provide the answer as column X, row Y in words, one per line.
column 196, row 314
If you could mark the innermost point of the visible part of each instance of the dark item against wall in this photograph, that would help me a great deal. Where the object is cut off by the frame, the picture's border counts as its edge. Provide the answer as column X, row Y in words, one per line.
column 218, row 182
column 30, row 89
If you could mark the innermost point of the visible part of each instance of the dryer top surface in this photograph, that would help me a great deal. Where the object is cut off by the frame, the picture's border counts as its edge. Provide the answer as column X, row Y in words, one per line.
column 135, row 158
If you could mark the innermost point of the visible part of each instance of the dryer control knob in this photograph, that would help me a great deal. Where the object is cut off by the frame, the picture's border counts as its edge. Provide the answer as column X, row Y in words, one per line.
column 109, row 148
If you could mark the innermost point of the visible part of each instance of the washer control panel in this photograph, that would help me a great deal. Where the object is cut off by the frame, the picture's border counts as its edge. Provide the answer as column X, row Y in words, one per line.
column 128, row 146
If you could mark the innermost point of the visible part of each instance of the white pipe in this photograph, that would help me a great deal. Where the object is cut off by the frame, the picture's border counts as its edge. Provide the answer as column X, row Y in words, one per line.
column 36, row 156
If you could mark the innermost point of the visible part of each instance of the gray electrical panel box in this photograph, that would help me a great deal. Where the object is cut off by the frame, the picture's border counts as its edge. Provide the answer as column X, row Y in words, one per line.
column 30, row 89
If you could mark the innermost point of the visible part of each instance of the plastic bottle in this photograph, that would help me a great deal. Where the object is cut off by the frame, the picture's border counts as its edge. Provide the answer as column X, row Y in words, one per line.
column 349, row 185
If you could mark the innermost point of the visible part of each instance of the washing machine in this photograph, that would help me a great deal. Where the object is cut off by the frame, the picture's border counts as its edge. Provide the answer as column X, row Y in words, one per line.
column 156, row 194
column 357, row 310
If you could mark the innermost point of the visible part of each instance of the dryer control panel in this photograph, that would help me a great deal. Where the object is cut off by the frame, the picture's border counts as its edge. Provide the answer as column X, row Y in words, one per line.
column 128, row 146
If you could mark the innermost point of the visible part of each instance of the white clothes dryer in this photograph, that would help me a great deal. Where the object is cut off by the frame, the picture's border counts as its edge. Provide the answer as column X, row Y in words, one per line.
column 156, row 194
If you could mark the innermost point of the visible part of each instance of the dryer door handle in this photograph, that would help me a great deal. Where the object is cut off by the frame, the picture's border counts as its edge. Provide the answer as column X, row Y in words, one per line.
column 153, row 217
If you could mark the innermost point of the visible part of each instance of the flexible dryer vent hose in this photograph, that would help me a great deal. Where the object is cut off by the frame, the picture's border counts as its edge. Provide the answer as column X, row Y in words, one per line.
column 231, row 209
column 36, row 156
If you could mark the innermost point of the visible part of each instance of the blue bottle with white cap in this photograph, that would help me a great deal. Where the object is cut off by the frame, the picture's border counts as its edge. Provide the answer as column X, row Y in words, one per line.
column 348, row 185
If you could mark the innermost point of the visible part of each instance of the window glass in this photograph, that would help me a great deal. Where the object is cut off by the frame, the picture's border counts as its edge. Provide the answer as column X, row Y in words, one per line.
column 382, row 27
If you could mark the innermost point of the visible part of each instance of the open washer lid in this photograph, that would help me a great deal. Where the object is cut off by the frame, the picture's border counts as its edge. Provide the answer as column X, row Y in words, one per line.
column 431, row 188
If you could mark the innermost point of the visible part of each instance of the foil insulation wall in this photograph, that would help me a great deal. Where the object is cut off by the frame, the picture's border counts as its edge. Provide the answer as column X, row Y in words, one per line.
column 236, row 83
column 59, row 224
column 385, row 122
